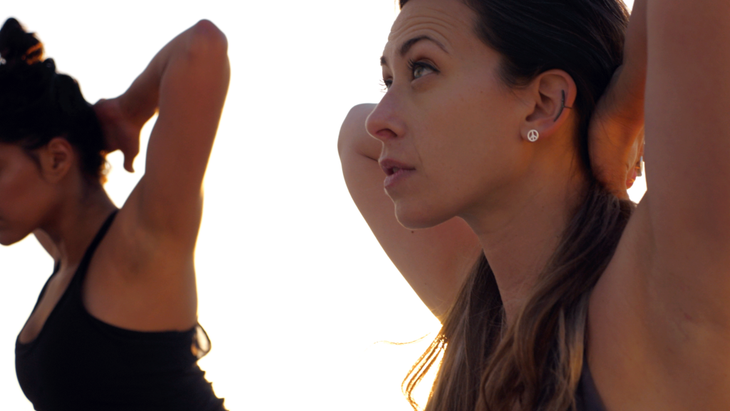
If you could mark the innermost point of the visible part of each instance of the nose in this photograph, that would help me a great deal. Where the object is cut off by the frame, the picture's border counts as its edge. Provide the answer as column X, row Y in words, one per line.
column 385, row 122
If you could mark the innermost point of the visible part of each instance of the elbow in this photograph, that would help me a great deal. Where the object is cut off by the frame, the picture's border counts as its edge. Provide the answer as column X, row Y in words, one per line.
column 208, row 42
column 353, row 133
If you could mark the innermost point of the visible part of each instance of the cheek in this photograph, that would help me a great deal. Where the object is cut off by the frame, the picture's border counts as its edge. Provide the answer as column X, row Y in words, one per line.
column 472, row 130
column 469, row 148
column 21, row 205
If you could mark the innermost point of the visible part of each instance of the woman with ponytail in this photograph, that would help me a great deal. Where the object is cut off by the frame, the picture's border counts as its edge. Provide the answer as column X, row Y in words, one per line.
column 508, row 134
column 115, row 327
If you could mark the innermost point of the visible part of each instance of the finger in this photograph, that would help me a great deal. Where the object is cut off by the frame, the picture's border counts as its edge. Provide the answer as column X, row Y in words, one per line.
column 129, row 163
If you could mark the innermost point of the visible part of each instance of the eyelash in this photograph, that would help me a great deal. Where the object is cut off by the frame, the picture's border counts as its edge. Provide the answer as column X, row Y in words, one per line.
column 412, row 65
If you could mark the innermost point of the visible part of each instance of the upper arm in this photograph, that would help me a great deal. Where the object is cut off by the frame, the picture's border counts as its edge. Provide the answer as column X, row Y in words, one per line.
column 191, row 96
column 659, row 316
column 434, row 261
column 688, row 153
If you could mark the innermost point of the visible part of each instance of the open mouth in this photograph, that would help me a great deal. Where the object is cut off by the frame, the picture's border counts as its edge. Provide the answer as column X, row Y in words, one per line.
column 391, row 167
column 392, row 170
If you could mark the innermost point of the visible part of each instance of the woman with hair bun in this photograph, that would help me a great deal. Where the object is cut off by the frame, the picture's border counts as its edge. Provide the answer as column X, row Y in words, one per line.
column 507, row 136
column 115, row 327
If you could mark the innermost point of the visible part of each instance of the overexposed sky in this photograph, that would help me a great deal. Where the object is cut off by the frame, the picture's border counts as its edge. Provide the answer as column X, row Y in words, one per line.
column 294, row 291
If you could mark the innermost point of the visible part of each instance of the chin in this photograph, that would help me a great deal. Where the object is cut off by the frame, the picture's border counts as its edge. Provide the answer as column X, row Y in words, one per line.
column 414, row 218
column 6, row 243
column 7, row 239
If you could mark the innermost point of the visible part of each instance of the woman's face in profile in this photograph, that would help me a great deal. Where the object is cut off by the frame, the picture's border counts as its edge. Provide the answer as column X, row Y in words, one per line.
column 22, row 194
column 450, row 127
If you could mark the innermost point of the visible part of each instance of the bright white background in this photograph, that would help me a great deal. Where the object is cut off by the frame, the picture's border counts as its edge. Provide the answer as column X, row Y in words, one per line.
column 294, row 291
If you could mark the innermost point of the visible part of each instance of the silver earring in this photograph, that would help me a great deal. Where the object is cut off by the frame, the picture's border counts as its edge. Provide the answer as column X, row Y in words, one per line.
column 532, row 136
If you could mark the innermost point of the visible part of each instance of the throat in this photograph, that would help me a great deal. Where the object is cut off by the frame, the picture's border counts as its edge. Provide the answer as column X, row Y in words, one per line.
column 67, row 235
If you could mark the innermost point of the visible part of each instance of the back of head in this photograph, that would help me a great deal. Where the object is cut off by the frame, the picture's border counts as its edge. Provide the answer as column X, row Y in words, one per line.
column 38, row 104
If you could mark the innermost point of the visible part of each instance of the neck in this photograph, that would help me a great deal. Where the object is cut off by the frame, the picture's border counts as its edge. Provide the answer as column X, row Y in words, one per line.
column 70, row 229
column 519, row 238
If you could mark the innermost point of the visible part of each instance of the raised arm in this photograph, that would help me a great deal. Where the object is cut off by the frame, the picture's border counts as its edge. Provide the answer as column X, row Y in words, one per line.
column 186, row 83
column 617, row 126
column 688, row 152
column 665, row 323
column 434, row 261
column 143, row 276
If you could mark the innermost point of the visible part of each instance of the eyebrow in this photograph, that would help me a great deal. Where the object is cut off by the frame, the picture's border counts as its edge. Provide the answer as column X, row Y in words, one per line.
column 410, row 43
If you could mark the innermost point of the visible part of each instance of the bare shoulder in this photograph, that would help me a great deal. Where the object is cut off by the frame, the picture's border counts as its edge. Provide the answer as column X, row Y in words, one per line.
column 141, row 280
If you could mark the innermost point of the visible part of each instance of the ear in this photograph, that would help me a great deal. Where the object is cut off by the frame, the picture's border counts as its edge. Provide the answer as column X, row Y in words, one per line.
column 551, row 96
column 56, row 158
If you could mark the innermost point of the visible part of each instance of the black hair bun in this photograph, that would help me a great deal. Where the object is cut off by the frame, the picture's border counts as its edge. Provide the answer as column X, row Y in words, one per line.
column 38, row 104
column 17, row 45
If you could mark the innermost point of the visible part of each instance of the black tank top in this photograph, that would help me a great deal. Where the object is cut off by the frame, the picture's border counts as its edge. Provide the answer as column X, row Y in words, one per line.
column 587, row 398
column 79, row 363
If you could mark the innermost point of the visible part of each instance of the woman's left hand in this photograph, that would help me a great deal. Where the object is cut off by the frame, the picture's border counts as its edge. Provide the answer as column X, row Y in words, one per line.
column 120, row 131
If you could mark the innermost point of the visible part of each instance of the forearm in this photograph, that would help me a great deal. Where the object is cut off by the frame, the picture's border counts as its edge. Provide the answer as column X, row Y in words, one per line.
column 141, row 101
column 631, row 79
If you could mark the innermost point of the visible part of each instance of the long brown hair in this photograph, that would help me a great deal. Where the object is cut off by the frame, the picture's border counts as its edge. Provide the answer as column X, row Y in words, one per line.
column 536, row 363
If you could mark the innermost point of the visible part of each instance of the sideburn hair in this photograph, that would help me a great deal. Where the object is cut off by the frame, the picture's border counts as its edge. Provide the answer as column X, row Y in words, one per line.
column 536, row 363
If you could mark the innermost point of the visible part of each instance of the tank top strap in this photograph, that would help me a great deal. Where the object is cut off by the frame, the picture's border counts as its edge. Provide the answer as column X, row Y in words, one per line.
column 89, row 253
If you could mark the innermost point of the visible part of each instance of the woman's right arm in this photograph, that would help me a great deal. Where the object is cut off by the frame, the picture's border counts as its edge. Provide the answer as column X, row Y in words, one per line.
column 149, row 274
column 434, row 261
column 186, row 83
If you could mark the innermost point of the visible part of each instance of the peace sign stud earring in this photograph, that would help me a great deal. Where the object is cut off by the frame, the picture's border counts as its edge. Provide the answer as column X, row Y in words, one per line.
column 532, row 136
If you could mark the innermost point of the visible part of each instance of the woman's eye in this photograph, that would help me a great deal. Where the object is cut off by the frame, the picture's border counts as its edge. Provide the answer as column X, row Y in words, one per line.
column 420, row 69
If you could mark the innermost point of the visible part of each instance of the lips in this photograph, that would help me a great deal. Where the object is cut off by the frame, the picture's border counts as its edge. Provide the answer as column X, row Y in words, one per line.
column 391, row 167
column 395, row 172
